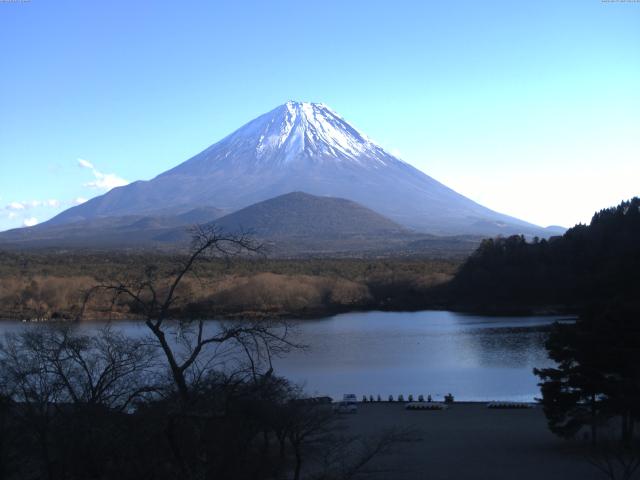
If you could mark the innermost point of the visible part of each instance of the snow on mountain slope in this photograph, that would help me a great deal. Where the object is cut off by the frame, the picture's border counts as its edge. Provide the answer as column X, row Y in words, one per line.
column 311, row 131
column 296, row 133
column 305, row 147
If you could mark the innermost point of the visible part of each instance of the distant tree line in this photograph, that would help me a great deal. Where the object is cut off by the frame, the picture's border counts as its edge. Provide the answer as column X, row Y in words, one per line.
column 599, row 262
column 48, row 286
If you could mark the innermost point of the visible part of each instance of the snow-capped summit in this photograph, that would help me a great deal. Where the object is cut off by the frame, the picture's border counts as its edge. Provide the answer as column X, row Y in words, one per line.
column 296, row 132
column 302, row 147
column 312, row 130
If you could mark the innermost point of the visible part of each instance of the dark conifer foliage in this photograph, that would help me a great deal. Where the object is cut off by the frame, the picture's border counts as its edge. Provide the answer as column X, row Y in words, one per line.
column 597, row 377
column 593, row 270
column 596, row 262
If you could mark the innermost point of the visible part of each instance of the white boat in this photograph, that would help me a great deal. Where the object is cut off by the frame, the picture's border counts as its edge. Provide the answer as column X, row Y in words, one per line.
column 426, row 406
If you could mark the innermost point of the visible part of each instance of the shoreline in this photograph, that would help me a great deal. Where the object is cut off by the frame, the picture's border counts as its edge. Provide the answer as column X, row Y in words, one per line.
column 319, row 314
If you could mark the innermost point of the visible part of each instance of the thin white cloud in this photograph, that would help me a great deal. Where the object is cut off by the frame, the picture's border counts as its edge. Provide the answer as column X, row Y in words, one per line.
column 21, row 206
column 103, row 181
column 26, row 213
column 16, row 206
column 85, row 163
column 106, row 181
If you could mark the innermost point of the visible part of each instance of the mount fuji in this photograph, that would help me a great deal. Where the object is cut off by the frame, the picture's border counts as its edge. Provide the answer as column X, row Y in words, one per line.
column 301, row 147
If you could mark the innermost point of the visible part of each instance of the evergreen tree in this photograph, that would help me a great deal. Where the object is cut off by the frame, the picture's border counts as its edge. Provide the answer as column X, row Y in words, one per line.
column 597, row 376
column 598, row 262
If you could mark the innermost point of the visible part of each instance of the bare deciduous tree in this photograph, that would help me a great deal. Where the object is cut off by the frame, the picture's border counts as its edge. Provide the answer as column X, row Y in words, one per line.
column 259, row 340
column 49, row 370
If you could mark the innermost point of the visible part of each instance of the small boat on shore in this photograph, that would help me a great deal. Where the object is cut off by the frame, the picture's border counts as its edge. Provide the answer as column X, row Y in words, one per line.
column 426, row 406
column 509, row 405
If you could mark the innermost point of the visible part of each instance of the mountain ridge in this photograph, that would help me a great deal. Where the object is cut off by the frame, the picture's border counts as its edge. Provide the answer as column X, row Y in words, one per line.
column 292, row 225
column 300, row 215
column 301, row 146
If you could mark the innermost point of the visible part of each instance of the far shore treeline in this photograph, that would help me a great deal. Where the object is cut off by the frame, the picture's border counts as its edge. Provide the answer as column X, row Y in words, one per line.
column 51, row 285
column 512, row 275
column 589, row 264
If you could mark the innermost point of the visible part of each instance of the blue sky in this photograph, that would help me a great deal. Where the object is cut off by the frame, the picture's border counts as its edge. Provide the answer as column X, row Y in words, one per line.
column 531, row 108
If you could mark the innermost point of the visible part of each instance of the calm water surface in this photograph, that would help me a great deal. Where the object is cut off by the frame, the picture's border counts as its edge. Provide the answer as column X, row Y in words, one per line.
column 429, row 352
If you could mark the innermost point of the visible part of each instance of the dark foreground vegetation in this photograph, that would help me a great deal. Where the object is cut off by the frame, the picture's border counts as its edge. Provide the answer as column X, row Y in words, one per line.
column 188, row 400
column 593, row 391
column 104, row 406
column 597, row 372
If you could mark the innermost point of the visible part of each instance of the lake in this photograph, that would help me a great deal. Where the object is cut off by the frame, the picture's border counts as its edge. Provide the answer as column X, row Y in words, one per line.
column 428, row 352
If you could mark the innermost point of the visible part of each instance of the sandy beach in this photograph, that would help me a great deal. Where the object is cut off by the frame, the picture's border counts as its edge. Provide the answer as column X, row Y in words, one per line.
column 470, row 441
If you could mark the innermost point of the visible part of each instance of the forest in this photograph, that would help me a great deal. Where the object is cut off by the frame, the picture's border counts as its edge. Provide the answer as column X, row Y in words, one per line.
column 51, row 285
column 594, row 263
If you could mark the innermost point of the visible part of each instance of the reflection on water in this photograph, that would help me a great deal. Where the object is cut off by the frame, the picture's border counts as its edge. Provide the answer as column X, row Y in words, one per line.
column 391, row 353
column 514, row 347
column 429, row 352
